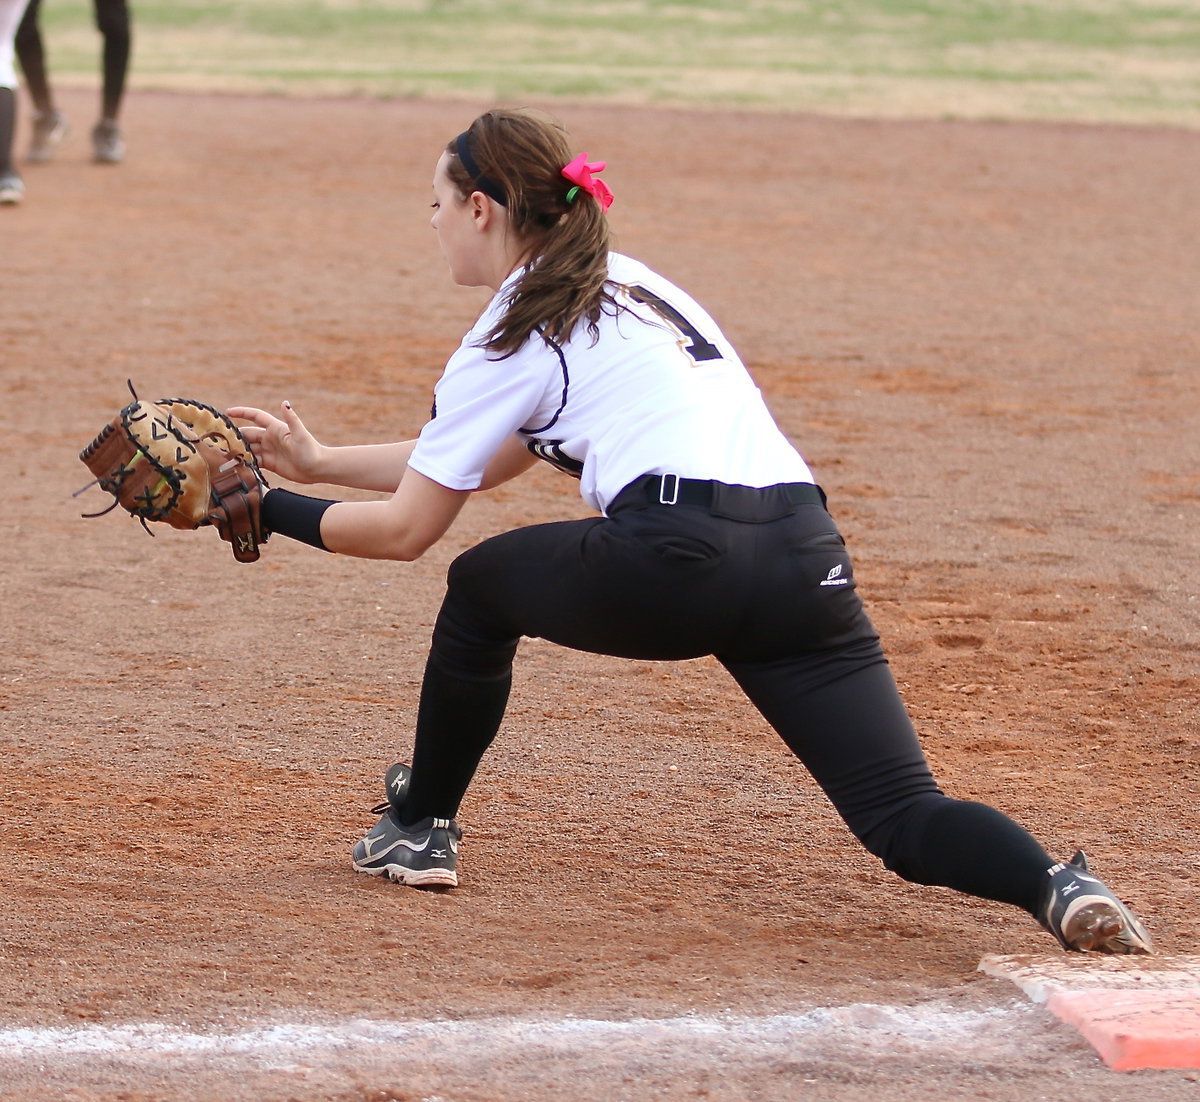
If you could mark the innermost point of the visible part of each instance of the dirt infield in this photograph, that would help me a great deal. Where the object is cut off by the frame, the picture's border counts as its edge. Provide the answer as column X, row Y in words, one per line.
column 983, row 337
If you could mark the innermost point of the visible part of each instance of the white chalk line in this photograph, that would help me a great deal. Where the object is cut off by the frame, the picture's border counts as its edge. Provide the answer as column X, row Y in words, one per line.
column 930, row 1026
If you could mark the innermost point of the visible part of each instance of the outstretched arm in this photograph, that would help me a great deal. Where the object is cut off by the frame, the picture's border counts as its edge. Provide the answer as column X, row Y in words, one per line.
column 417, row 515
column 285, row 446
column 403, row 527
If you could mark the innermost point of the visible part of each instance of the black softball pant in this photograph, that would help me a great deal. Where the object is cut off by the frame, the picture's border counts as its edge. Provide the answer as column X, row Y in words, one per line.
column 114, row 23
column 772, row 597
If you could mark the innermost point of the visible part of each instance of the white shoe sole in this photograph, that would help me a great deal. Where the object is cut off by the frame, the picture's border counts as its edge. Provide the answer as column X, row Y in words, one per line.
column 414, row 878
column 1095, row 924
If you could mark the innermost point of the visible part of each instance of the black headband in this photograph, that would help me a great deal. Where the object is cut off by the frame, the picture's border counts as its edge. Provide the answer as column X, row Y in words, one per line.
column 481, row 182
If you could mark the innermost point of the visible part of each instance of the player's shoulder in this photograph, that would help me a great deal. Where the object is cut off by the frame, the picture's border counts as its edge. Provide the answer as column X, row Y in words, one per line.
column 625, row 270
column 629, row 272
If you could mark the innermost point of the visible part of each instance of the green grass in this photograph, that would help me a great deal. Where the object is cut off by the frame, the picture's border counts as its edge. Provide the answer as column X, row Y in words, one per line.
column 1119, row 60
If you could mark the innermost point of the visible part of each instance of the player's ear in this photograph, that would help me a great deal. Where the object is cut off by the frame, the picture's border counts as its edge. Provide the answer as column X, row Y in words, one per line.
column 484, row 211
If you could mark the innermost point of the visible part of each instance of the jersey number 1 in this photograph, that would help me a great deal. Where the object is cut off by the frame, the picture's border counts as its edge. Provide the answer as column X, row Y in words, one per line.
column 698, row 346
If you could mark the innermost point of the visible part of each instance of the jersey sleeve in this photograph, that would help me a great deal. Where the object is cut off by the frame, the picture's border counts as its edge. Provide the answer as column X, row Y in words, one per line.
column 479, row 402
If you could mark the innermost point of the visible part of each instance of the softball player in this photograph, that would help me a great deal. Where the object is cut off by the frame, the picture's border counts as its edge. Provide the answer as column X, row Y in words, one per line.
column 711, row 538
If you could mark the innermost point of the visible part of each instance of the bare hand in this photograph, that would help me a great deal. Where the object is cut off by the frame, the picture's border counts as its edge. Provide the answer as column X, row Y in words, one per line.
column 281, row 444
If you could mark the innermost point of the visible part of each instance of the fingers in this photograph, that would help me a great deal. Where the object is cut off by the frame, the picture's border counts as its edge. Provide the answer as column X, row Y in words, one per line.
column 256, row 432
column 250, row 413
column 262, row 424
column 291, row 417
column 280, row 442
column 287, row 416
column 253, row 435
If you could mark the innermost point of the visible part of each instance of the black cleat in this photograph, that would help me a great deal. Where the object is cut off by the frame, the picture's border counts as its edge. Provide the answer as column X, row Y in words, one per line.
column 1085, row 916
column 423, row 855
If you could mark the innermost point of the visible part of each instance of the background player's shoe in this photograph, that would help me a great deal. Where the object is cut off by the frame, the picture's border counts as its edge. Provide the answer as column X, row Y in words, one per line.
column 108, row 147
column 423, row 855
column 1085, row 916
column 49, row 129
column 12, row 189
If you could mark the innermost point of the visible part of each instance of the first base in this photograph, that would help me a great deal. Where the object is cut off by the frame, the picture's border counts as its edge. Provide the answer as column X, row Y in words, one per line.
column 1137, row 1012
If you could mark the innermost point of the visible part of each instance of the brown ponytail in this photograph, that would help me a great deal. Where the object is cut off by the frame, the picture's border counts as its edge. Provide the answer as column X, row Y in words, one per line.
column 522, row 154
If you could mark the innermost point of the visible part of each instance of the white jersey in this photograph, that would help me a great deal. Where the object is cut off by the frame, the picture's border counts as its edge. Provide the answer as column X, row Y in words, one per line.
column 660, row 392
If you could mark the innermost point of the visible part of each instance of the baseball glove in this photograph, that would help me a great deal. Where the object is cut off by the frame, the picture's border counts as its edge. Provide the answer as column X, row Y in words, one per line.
column 184, row 463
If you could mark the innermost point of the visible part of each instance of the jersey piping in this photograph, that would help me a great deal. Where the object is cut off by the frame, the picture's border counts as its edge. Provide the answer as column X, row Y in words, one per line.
column 566, row 376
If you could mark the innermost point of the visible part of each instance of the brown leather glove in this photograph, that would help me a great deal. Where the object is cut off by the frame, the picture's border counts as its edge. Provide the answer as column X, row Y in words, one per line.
column 184, row 463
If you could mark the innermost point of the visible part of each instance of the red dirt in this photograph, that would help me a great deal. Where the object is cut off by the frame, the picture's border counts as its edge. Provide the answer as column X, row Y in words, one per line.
column 983, row 338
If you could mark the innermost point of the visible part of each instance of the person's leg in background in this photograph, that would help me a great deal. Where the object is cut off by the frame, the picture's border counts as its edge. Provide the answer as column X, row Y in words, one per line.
column 12, row 187
column 115, row 24
column 49, row 124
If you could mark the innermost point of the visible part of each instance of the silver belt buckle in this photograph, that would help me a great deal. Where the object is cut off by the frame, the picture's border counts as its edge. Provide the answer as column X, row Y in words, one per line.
column 665, row 496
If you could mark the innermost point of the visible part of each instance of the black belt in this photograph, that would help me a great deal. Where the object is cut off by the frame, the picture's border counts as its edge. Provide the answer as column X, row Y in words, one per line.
column 670, row 489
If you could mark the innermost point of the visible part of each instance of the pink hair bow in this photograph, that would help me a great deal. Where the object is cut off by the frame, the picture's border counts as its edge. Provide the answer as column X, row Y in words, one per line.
column 579, row 172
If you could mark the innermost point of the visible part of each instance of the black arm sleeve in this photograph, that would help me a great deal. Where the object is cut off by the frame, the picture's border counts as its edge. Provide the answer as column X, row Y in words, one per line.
column 295, row 516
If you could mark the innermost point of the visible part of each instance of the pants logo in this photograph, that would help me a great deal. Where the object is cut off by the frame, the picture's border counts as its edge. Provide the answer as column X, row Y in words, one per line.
column 834, row 577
